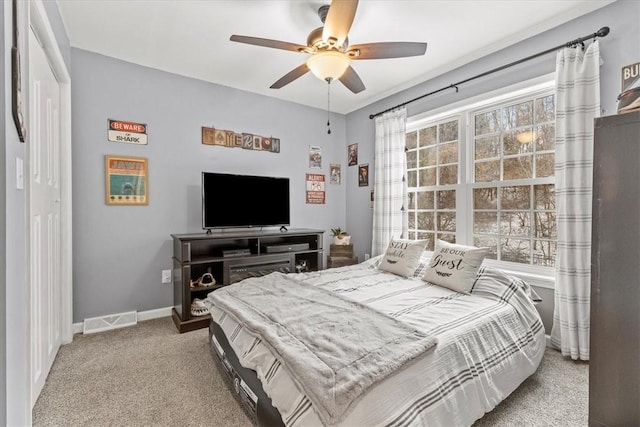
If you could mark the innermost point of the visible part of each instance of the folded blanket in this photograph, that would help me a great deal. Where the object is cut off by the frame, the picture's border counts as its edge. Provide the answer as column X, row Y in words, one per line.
column 334, row 348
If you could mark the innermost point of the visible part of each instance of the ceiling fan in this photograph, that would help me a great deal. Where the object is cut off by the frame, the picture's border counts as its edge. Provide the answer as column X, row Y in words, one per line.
column 329, row 48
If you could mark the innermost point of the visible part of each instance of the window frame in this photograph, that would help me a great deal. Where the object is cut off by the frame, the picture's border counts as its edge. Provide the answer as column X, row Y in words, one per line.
column 464, row 112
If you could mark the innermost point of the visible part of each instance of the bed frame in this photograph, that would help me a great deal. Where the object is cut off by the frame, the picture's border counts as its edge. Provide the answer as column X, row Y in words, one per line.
column 243, row 382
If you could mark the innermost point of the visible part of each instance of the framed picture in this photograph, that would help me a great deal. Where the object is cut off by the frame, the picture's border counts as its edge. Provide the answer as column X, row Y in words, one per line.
column 315, row 156
column 127, row 180
column 363, row 175
column 334, row 173
column 16, row 79
column 352, row 155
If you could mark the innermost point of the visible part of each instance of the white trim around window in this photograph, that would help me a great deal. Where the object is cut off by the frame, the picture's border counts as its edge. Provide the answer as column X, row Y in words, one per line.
column 538, row 276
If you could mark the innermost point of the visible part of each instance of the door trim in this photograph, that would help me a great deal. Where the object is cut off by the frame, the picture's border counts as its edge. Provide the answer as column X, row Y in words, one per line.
column 39, row 22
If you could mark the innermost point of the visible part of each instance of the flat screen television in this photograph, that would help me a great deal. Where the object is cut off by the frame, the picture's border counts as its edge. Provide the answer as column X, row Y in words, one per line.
column 230, row 201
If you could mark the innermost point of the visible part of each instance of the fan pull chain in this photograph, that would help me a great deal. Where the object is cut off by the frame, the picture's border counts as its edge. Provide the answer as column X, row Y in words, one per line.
column 328, row 105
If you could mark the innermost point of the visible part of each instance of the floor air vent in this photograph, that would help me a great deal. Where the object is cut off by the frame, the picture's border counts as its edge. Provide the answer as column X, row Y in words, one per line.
column 105, row 323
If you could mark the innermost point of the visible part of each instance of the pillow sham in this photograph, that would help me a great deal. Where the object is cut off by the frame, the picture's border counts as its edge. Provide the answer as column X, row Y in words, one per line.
column 402, row 256
column 454, row 266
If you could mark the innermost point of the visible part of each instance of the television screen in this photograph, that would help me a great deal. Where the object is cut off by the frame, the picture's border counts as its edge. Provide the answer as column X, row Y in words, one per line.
column 244, row 201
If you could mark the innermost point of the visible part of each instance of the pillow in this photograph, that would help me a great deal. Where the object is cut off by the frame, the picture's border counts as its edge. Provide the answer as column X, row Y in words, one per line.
column 402, row 256
column 454, row 266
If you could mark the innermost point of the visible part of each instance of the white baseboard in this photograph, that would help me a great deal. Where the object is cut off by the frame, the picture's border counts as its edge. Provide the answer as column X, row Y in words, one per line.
column 548, row 340
column 157, row 313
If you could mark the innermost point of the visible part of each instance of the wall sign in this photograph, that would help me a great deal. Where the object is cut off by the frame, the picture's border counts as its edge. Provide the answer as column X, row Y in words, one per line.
column 127, row 132
column 248, row 141
column 127, row 180
column 315, row 189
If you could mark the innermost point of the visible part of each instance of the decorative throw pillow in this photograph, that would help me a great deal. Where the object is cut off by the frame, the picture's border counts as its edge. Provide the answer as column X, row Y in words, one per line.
column 402, row 256
column 454, row 266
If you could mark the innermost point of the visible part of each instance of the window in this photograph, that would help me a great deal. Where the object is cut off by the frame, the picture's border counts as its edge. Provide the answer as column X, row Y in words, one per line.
column 491, row 185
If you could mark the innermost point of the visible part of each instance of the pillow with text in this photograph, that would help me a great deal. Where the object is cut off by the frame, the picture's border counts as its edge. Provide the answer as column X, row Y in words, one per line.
column 402, row 256
column 454, row 266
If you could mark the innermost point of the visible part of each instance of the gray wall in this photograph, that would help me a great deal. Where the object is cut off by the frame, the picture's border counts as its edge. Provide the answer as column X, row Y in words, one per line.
column 3, row 228
column 119, row 251
column 619, row 48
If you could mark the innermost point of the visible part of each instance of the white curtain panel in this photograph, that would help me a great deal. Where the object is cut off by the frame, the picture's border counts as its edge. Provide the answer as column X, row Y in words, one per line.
column 577, row 104
column 390, row 186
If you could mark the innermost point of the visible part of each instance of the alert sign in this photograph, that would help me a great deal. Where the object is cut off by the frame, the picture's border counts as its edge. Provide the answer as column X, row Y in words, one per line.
column 127, row 132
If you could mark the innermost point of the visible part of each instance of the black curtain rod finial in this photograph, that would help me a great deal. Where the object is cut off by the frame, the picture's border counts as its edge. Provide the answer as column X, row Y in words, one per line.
column 602, row 32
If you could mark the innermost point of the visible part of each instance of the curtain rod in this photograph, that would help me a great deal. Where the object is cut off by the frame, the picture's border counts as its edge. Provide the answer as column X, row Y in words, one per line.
column 602, row 32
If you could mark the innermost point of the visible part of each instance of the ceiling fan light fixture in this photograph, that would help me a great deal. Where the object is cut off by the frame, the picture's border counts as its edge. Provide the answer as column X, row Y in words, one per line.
column 330, row 64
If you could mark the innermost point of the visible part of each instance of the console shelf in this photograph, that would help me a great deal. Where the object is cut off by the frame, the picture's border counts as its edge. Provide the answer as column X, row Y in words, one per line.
column 248, row 254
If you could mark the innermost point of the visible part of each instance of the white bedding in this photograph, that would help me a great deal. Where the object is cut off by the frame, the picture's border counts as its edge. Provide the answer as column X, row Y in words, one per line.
column 488, row 343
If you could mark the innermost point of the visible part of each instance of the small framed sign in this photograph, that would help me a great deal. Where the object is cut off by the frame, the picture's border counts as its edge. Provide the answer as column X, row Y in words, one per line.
column 127, row 180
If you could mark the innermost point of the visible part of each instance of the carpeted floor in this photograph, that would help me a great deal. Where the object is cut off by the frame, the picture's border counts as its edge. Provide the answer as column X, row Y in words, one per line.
column 149, row 375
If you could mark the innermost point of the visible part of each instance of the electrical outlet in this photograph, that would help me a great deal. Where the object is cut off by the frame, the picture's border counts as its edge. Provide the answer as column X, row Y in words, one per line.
column 367, row 256
column 166, row 276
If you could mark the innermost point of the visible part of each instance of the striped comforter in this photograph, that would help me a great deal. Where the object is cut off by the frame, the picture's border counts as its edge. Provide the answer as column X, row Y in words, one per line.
column 488, row 343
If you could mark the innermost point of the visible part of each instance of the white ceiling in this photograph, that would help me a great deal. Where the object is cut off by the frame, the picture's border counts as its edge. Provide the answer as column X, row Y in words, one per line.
column 191, row 38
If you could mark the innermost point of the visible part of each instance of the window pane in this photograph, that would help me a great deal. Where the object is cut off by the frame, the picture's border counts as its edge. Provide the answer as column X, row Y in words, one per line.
column 427, row 177
column 448, row 153
column 545, row 137
column 447, row 237
column 430, row 238
column 487, row 122
column 488, row 171
column 425, row 221
column 411, row 195
column 485, row 198
column 448, row 174
column 449, row 131
column 411, row 140
column 447, row 221
column 545, row 225
column 412, row 220
column 427, row 136
column 545, row 109
column 518, row 197
column 515, row 250
column 515, row 224
column 447, row 199
column 545, row 197
column 412, row 179
column 485, row 223
column 518, row 168
column 545, row 164
column 487, row 147
column 518, row 115
column 487, row 242
column 428, row 156
column 544, row 253
column 412, row 159
column 425, row 200
column 513, row 145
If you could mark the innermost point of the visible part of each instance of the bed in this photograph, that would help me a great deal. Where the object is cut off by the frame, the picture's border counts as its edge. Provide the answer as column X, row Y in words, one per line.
column 454, row 357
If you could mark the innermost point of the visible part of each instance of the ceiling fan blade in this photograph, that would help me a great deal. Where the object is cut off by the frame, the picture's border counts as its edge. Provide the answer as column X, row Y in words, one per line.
column 386, row 50
column 299, row 71
column 276, row 44
column 352, row 80
column 338, row 21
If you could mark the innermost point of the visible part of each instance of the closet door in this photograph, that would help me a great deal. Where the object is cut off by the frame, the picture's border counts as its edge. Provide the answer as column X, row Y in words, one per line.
column 614, row 366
